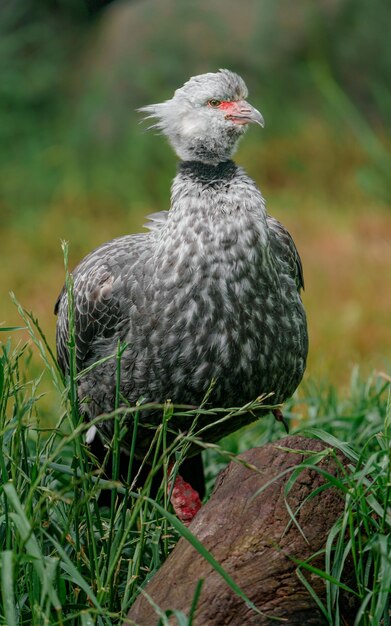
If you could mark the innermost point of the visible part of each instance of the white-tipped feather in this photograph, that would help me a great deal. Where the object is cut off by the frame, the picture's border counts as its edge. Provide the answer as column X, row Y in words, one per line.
column 90, row 434
column 154, row 111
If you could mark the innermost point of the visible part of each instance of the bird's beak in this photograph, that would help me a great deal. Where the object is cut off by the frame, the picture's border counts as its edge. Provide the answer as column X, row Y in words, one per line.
column 242, row 112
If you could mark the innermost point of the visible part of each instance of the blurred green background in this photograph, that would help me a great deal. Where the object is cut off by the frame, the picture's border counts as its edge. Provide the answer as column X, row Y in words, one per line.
column 76, row 164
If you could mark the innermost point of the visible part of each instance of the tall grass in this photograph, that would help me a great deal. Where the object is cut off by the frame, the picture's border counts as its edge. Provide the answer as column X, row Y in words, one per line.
column 66, row 560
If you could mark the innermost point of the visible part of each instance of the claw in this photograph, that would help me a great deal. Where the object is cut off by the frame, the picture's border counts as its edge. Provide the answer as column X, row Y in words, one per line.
column 280, row 418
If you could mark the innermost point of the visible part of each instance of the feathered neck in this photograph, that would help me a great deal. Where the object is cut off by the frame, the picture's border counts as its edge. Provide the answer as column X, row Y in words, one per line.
column 206, row 172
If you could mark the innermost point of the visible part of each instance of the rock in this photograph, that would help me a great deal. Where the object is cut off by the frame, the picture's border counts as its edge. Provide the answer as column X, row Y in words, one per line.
column 255, row 540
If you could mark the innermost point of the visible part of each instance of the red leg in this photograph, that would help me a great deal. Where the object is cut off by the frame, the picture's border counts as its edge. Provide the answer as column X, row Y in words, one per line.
column 185, row 500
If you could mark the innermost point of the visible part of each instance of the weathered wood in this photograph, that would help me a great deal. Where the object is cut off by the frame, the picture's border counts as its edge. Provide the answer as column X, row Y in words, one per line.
column 253, row 538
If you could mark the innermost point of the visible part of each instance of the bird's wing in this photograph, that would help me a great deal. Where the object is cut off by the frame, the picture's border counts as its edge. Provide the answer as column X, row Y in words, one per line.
column 284, row 248
column 104, row 292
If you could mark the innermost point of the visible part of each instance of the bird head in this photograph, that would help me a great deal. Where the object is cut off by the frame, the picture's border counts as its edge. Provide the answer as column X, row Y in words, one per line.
column 206, row 117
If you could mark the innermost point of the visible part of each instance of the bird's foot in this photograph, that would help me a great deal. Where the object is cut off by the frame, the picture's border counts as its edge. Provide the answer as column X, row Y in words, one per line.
column 280, row 418
column 185, row 500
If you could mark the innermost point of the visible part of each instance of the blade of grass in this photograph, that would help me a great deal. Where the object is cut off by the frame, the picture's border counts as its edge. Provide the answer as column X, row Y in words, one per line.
column 31, row 543
column 7, row 587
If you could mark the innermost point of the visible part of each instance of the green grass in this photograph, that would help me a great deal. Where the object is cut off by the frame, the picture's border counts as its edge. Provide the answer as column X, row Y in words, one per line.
column 65, row 560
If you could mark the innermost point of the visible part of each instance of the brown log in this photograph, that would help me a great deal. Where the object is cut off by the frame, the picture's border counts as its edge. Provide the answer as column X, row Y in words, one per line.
column 253, row 538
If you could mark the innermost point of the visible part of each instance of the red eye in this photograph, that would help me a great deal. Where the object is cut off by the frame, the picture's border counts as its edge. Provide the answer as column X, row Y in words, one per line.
column 214, row 103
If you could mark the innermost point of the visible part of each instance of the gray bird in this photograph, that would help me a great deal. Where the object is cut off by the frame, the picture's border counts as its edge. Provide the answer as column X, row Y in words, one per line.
column 212, row 291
